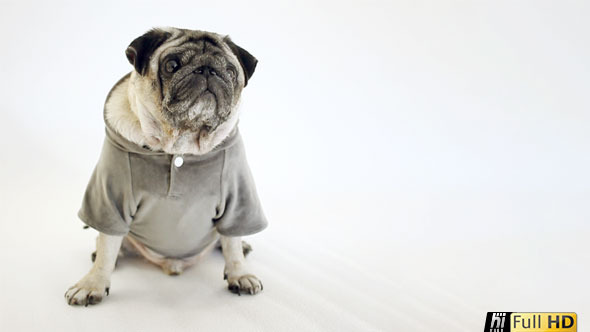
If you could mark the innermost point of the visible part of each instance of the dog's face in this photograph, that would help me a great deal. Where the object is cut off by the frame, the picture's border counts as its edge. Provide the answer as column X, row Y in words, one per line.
column 186, row 87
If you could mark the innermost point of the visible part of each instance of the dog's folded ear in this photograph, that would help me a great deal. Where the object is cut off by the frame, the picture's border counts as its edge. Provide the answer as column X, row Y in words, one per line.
column 141, row 49
column 247, row 60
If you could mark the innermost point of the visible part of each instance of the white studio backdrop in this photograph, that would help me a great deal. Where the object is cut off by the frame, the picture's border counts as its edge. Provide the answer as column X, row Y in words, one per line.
column 408, row 138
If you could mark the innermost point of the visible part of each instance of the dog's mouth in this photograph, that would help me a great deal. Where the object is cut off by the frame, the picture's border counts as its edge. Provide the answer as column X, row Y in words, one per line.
column 206, row 93
column 197, row 100
column 202, row 133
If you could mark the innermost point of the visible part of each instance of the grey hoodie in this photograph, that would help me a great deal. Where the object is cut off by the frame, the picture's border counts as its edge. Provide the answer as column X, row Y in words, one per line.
column 175, row 211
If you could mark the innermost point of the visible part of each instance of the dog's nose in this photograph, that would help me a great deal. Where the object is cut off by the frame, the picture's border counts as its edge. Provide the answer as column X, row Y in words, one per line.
column 206, row 70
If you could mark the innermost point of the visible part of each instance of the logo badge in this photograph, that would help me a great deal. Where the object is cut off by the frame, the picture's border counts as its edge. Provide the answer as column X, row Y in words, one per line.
column 531, row 322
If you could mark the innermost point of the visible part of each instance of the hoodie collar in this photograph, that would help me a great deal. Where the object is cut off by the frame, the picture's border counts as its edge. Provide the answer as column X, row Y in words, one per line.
column 125, row 145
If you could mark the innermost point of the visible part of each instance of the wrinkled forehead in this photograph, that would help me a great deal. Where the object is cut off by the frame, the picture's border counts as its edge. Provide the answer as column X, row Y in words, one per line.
column 191, row 42
column 194, row 47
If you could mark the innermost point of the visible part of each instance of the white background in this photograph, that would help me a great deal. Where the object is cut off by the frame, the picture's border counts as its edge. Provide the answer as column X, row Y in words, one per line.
column 420, row 162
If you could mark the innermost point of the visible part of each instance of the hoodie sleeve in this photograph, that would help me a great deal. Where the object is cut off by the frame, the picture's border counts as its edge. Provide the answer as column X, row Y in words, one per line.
column 108, row 204
column 240, row 212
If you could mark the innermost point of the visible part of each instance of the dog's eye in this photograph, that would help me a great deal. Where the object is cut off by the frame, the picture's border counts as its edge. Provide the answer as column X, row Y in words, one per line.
column 232, row 72
column 171, row 66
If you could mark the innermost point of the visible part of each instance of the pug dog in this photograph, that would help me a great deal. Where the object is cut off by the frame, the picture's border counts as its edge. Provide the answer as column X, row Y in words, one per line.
column 172, row 179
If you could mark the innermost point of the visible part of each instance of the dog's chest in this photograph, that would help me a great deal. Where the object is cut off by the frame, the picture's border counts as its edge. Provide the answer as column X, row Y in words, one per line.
column 176, row 176
column 177, row 201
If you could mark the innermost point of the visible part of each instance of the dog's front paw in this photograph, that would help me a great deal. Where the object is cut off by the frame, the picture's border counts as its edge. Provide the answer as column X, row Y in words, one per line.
column 89, row 290
column 245, row 283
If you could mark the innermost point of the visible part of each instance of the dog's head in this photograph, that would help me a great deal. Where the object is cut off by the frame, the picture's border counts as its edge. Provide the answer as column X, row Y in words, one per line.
column 186, row 87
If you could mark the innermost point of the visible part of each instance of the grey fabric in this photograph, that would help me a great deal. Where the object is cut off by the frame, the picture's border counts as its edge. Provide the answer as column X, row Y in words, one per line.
column 174, row 211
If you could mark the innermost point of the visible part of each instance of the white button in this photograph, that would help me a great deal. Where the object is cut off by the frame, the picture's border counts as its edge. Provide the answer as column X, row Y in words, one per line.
column 178, row 161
